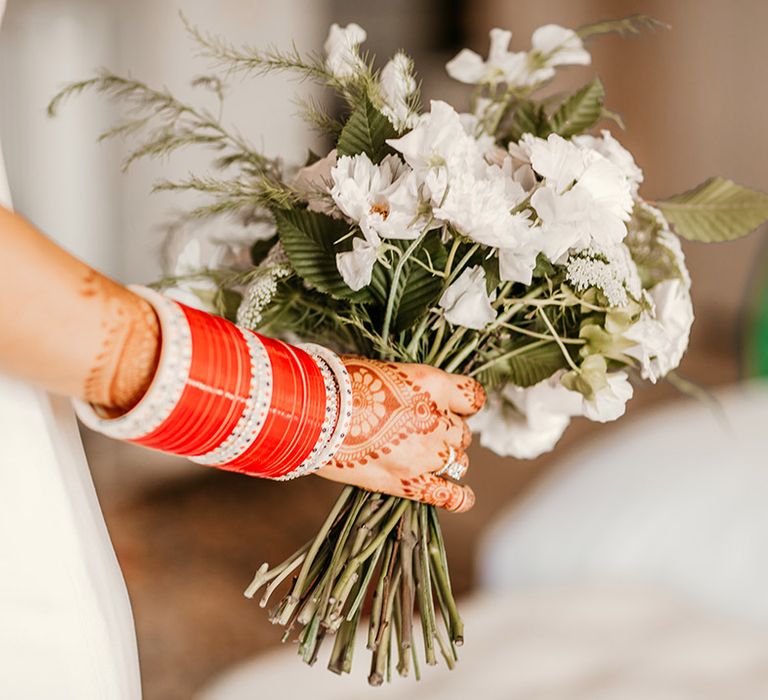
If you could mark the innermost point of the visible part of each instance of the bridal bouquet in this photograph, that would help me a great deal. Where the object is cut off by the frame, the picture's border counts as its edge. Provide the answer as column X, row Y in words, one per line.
column 508, row 242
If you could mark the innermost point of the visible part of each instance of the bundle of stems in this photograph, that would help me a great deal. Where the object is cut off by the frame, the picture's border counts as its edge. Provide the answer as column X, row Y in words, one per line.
column 369, row 542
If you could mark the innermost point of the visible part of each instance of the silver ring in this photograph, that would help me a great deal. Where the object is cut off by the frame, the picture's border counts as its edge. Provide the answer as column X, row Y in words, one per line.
column 452, row 468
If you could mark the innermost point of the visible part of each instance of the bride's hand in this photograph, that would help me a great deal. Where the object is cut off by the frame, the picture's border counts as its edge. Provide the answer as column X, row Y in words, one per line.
column 407, row 423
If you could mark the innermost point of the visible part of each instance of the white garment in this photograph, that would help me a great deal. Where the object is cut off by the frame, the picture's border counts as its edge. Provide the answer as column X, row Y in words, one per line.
column 66, row 630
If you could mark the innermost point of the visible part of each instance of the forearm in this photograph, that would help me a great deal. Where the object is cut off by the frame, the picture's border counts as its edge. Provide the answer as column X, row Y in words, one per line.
column 68, row 328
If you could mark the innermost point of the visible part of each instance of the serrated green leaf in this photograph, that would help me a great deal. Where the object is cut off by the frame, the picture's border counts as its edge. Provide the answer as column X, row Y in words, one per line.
column 580, row 111
column 366, row 131
column 717, row 210
column 418, row 288
column 526, row 368
column 528, row 118
column 309, row 242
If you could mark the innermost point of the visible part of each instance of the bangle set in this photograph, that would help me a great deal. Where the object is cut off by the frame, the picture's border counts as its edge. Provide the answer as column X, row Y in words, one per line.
column 226, row 397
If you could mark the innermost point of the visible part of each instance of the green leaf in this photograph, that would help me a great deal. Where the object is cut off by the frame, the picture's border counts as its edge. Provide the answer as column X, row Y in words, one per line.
column 527, row 368
column 366, row 131
column 309, row 240
column 624, row 27
column 529, row 118
column 418, row 289
column 717, row 210
column 580, row 111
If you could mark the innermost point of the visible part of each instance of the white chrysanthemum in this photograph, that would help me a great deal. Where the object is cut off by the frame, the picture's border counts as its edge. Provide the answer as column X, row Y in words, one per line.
column 502, row 65
column 397, row 87
column 342, row 50
column 662, row 335
column 607, row 146
column 611, row 270
column 382, row 199
column 260, row 291
column 466, row 301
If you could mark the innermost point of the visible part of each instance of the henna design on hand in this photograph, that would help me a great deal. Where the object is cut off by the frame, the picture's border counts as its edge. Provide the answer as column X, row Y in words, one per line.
column 436, row 491
column 130, row 349
column 387, row 408
column 474, row 393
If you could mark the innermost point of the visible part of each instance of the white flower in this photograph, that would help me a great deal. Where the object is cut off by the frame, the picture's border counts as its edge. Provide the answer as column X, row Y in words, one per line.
column 526, row 422
column 260, row 291
column 609, row 147
column 516, row 264
column 553, row 46
column 313, row 182
column 437, row 144
column 502, row 65
column 611, row 270
column 557, row 160
column 592, row 211
column 382, row 199
column 479, row 206
column 397, row 86
column 609, row 402
column 197, row 293
column 466, row 301
column 341, row 50
column 356, row 265
column 662, row 337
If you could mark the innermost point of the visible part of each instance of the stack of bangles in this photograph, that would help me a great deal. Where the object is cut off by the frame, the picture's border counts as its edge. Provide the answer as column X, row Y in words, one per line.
column 226, row 397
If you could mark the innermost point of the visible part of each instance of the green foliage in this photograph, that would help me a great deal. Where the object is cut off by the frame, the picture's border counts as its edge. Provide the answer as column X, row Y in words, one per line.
column 717, row 210
column 632, row 25
column 366, row 131
column 418, row 288
column 528, row 117
column 523, row 363
column 309, row 240
column 581, row 111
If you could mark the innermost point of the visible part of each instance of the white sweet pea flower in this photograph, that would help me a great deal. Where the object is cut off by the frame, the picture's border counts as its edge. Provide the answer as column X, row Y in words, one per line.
column 466, row 301
column 609, row 402
column 554, row 46
column 397, row 86
column 526, row 422
column 382, row 199
column 197, row 293
column 662, row 337
column 342, row 57
column 356, row 265
column 611, row 149
column 502, row 66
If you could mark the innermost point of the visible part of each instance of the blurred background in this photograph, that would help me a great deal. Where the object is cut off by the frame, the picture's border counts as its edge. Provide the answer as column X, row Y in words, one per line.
column 629, row 563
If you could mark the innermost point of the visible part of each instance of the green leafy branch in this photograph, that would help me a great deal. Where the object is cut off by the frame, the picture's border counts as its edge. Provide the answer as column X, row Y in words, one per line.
column 628, row 26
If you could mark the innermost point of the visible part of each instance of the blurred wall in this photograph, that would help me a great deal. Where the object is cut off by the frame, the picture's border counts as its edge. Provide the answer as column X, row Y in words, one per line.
column 70, row 186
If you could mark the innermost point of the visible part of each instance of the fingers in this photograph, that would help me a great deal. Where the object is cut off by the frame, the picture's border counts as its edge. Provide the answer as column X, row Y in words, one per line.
column 466, row 396
column 436, row 491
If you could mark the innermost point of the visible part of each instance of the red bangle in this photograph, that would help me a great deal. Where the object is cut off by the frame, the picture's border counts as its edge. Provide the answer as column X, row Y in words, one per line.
column 227, row 397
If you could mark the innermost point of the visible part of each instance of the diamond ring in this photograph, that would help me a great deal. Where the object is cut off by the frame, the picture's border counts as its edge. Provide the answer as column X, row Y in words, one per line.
column 452, row 468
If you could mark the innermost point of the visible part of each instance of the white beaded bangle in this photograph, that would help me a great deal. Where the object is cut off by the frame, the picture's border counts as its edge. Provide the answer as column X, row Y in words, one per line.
column 345, row 400
column 167, row 385
column 312, row 463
